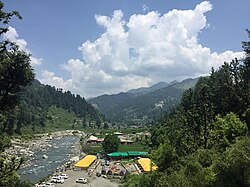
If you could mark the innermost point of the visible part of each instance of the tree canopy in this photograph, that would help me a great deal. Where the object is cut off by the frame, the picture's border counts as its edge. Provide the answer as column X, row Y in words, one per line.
column 204, row 140
column 15, row 73
column 15, row 69
column 111, row 143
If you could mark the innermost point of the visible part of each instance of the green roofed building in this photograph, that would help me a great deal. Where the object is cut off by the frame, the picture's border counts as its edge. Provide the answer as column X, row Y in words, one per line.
column 136, row 153
column 127, row 154
column 115, row 154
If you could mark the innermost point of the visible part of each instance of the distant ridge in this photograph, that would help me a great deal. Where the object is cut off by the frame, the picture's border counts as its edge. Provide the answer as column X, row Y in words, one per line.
column 145, row 90
column 173, row 82
column 144, row 104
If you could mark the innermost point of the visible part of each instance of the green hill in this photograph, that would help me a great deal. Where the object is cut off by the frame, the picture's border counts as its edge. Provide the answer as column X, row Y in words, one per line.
column 141, row 105
column 45, row 108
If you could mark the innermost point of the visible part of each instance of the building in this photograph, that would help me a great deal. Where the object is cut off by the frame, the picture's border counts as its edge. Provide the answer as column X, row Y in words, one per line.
column 100, row 140
column 146, row 165
column 117, row 133
column 126, row 142
column 129, row 154
column 92, row 139
column 85, row 162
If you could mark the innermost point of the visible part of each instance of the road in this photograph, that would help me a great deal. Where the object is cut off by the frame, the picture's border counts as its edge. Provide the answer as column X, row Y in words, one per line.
column 92, row 181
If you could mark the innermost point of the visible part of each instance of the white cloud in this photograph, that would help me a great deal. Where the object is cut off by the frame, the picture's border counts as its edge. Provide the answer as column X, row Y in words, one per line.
column 145, row 49
column 13, row 36
column 50, row 78
column 36, row 61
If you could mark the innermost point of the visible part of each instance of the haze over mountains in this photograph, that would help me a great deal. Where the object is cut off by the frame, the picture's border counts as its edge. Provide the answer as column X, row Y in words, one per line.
column 142, row 105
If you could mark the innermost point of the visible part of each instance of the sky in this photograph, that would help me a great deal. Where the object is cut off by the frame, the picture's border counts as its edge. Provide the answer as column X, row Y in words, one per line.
column 111, row 46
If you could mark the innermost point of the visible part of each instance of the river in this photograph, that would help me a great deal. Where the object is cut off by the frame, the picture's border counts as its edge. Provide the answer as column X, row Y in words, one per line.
column 59, row 151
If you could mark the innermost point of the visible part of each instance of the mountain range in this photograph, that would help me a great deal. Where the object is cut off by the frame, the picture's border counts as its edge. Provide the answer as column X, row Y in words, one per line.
column 142, row 105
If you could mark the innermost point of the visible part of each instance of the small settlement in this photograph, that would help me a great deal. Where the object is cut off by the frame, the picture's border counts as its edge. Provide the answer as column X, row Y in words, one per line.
column 116, row 164
column 112, row 166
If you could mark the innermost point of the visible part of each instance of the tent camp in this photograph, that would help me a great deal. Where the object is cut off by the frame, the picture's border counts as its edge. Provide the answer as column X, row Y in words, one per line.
column 146, row 164
column 85, row 162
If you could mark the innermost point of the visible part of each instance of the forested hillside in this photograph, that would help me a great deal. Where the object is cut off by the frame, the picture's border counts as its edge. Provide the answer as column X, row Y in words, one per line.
column 41, row 104
column 204, row 141
column 142, row 105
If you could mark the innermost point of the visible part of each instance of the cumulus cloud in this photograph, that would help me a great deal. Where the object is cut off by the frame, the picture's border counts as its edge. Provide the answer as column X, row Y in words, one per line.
column 143, row 50
column 35, row 61
column 49, row 77
column 13, row 36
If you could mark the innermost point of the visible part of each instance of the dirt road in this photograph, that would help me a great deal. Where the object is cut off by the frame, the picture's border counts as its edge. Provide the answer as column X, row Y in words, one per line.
column 92, row 181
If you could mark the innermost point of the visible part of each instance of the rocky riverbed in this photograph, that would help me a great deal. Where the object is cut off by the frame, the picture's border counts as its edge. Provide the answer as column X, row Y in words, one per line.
column 40, row 143
column 46, row 152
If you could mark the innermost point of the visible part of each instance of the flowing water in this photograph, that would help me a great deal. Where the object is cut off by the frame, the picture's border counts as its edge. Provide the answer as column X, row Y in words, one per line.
column 58, row 153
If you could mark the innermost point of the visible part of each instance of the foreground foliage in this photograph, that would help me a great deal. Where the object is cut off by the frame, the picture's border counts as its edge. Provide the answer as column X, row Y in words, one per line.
column 15, row 73
column 204, row 141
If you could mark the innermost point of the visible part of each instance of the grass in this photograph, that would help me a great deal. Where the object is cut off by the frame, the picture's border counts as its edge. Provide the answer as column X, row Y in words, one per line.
column 96, row 148
column 133, row 147
column 91, row 149
column 62, row 119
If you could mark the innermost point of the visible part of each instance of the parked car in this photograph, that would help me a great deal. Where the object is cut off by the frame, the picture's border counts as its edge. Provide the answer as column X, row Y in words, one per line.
column 49, row 184
column 107, row 163
column 57, row 180
column 65, row 176
column 40, row 185
column 98, row 174
column 103, row 163
column 81, row 180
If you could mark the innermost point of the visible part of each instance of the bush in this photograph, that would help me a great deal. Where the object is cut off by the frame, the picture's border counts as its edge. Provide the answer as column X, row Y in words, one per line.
column 233, row 167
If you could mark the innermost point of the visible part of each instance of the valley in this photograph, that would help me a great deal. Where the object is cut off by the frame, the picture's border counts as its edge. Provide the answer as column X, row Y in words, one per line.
column 142, row 105
column 168, row 89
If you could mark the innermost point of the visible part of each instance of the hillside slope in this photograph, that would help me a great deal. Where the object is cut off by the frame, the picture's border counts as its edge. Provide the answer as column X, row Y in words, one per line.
column 45, row 107
column 136, row 106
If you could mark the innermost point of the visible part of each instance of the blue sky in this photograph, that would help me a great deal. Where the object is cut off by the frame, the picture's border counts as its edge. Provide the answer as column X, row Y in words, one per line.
column 83, row 46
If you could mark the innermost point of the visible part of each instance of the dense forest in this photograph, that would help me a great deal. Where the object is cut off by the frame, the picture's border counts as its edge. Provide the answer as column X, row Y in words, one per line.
column 35, row 102
column 204, row 141
column 37, row 99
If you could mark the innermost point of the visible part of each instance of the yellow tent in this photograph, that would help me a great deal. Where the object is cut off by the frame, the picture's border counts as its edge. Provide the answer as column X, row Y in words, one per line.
column 86, row 161
column 146, row 164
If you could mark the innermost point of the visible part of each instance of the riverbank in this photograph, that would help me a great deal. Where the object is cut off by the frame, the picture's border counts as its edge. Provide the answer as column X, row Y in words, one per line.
column 27, row 148
column 37, row 167
column 45, row 152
